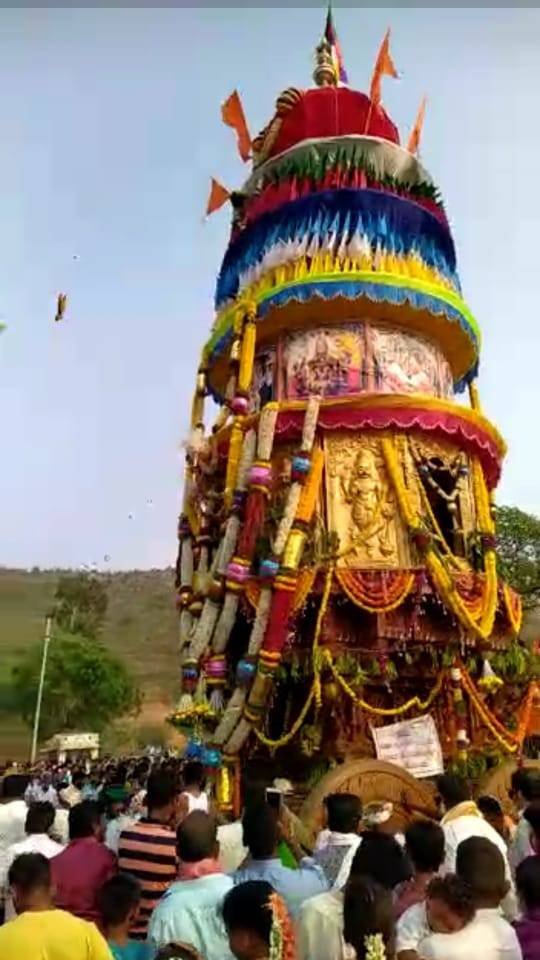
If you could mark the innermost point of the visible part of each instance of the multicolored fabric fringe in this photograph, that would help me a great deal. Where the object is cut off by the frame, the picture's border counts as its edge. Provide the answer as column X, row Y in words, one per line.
column 334, row 218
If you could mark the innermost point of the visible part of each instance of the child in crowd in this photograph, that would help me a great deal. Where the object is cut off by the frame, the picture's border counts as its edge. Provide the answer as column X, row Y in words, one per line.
column 424, row 845
column 448, row 907
column 528, row 927
column 480, row 865
column 258, row 924
column 449, row 904
column 118, row 903
column 193, row 796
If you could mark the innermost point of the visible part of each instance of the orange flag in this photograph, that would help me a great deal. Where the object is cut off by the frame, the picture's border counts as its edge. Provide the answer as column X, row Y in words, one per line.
column 217, row 197
column 384, row 67
column 416, row 132
column 232, row 113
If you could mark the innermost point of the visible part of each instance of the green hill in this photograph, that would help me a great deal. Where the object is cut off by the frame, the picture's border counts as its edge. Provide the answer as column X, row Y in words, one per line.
column 141, row 627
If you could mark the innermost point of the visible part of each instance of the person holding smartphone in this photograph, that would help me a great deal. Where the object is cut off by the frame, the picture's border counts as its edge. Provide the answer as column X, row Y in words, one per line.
column 263, row 830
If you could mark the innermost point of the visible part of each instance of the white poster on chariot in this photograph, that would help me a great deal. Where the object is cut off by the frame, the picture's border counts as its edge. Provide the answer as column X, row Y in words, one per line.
column 412, row 744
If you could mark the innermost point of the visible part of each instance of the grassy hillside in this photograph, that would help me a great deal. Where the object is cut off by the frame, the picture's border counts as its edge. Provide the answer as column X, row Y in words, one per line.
column 141, row 627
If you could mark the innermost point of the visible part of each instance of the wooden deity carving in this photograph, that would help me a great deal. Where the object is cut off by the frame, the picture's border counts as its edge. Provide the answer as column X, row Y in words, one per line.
column 371, row 507
column 361, row 505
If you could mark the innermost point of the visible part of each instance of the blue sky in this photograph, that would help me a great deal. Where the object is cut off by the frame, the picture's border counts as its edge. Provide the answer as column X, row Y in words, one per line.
column 109, row 131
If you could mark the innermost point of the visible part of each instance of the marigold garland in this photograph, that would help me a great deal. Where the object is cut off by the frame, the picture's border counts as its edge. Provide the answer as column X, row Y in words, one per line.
column 247, row 354
column 525, row 718
column 489, row 719
column 282, row 938
column 351, row 583
column 315, row 690
column 310, row 490
column 304, row 586
column 413, row 704
column 514, row 607
column 287, row 737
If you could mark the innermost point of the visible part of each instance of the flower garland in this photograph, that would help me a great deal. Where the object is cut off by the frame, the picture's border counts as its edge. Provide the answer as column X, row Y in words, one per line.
column 282, row 939
column 514, row 607
column 460, row 713
column 385, row 599
column 525, row 718
column 374, row 947
column 290, row 735
column 304, row 586
column 488, row 718
column 315, row 691
column 234, row 728
column 413, row 704
column 281, row 600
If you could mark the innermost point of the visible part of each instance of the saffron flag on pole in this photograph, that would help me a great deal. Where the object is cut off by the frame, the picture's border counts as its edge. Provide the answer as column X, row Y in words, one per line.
column 416, row 132
column 335, row 48
column 217, row 197
column 232, row 114
column 384, row 67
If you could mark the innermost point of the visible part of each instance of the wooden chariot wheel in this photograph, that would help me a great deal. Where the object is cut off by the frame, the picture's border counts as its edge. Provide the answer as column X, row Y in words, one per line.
column 497, row 782
column 372, row 780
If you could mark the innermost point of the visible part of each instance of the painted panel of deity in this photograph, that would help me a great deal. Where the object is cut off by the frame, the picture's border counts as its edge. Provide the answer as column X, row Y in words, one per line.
column 327, row 361
column 405, row 363
column 263, row 384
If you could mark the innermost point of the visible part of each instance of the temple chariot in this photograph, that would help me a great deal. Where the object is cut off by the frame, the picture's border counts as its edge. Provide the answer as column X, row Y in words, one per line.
column 337, row 566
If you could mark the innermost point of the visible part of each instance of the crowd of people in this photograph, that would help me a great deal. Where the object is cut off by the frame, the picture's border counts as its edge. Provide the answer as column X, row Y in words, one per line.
column 131, row 862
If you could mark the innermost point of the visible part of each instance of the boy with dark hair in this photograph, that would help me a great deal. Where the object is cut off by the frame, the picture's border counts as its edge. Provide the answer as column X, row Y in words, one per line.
column 118, row 902
column 338, row 844
column 39, row 929
column 193, row 796
column 481, row 866
column 147, row 849
column 528, row 926
column 424, row 845
column 39, row 820
column 84, row 865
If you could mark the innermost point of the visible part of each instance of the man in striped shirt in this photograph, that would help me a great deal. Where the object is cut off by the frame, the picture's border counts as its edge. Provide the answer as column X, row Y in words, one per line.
column 147, row 850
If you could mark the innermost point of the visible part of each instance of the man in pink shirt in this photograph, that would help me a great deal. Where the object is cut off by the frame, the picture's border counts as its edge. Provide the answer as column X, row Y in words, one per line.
column 85, row 864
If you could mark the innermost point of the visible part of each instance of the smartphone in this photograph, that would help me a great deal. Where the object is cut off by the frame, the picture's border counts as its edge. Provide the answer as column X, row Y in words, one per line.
column 274, row 799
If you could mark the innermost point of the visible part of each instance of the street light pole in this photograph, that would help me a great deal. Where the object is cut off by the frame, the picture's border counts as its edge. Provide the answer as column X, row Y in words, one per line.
column 46, row 641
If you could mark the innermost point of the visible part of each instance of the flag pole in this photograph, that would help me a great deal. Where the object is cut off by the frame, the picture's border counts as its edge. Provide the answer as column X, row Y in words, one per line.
column 46, row 641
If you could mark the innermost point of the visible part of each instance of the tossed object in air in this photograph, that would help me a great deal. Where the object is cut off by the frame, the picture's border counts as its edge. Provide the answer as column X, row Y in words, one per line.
column 61, row 305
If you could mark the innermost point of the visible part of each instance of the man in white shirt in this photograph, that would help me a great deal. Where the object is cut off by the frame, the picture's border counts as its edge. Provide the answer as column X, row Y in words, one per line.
column 320, row 927
column 489, row 936
column 39, row 820
column 12, row 818
column 462, row 819
column 335, row 853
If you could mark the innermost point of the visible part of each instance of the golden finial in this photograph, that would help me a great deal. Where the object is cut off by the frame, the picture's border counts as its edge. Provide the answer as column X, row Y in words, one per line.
column 325, row 74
